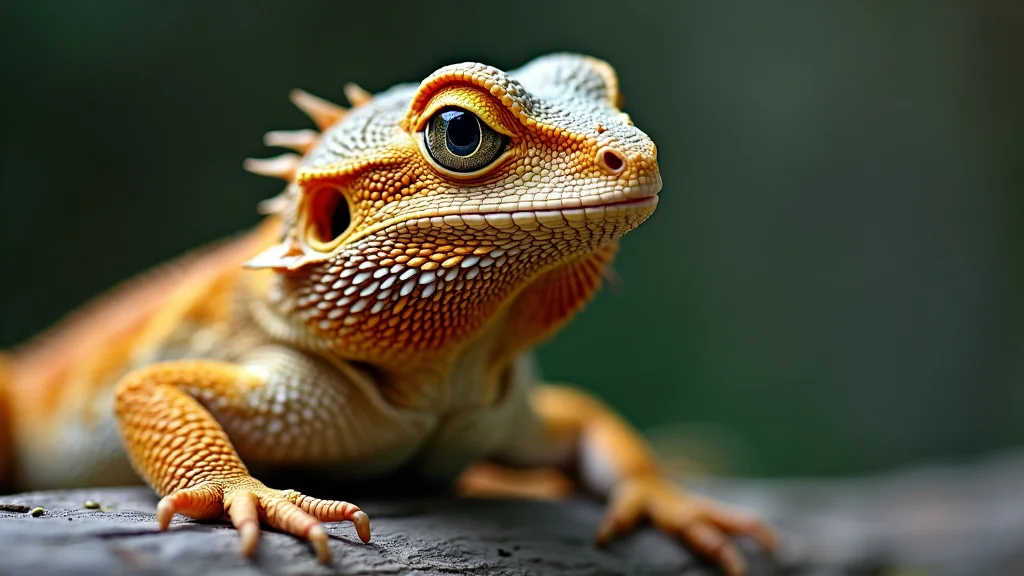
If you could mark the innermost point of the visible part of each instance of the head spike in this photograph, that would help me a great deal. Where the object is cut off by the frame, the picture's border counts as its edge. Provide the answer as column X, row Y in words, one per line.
column 284, row 256
column 323, row 113
column 299, row 140
column 356, row 95
column 283, row 166
column 275, row 205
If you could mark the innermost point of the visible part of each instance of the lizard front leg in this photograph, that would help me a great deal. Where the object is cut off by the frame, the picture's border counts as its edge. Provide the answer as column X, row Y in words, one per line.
column 184, row 452
column 574, row 430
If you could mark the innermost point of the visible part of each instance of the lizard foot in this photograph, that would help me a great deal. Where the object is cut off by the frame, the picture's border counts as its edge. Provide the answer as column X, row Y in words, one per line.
column 486, row 480
column 705, row 525
column 247, row 502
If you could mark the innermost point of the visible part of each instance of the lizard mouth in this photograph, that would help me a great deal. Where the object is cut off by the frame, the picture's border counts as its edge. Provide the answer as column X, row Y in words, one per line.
column 597, row 211
column 562, row 212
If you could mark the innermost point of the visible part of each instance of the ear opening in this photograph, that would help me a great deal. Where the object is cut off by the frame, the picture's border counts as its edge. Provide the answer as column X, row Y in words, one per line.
column 330, row 215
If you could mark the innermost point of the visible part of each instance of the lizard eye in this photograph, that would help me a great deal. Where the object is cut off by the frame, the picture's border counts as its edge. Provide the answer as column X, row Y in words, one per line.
column 458, row 141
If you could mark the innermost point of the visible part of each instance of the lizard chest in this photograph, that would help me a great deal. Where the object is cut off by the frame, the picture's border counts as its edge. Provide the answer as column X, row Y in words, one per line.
column 447, row 441
column 465, row 435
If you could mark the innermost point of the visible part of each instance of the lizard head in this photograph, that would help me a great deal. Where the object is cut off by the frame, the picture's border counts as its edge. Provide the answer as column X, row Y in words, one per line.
column 417, row 214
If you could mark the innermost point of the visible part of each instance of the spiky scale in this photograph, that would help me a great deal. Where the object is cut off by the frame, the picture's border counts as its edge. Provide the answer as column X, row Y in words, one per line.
column 283, row 166
column 322, row 112
column 356, row 95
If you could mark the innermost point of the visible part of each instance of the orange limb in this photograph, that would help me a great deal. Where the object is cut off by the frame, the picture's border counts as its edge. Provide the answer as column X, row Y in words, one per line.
column 614, row 461
column 185, row 454
column 488, row 480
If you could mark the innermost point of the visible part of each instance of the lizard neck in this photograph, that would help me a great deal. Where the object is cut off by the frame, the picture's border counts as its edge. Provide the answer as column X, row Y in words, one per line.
column 476, row 373
column 421, row 353
column 550, row 301
column 368, row 307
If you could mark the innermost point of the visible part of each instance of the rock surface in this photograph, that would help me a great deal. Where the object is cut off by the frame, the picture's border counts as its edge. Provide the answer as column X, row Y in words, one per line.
column 959, row 520
column 417, row 536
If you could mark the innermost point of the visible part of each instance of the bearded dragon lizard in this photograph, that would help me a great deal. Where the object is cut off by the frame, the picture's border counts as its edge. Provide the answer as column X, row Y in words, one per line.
column 380, row 319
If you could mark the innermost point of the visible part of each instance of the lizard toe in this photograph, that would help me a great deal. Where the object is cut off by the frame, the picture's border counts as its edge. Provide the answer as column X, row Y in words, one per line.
column 707, row 527
column 247, row 503
column 242, row 508
column 203, row 501
column 300, row 515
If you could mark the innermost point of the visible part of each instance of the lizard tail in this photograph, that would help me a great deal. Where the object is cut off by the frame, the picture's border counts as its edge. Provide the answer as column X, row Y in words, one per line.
column 6, row 433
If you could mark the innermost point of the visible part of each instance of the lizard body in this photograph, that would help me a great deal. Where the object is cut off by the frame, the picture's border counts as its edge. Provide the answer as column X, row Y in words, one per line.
column 425, row 242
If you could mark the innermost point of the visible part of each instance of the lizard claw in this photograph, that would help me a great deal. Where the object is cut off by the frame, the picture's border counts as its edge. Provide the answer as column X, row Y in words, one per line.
column 248, row 502
column 705, row 525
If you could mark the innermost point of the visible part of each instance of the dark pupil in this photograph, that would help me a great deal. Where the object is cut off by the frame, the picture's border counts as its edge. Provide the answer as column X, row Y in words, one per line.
column 463, row 132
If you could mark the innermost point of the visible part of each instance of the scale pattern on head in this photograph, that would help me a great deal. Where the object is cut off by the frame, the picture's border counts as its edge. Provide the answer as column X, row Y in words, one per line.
column 418, row 214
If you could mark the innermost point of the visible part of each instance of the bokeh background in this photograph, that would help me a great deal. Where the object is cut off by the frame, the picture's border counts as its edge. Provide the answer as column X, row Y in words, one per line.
column 833, row 281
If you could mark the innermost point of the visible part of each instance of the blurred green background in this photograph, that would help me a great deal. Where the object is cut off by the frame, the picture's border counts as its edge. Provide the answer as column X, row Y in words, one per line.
column 831, row 284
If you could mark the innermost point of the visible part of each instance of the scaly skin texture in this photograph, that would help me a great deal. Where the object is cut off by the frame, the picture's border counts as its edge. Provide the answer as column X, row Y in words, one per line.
column 382, row 321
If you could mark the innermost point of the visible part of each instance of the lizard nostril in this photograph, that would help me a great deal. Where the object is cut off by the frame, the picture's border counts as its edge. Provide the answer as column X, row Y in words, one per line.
column 610, row 160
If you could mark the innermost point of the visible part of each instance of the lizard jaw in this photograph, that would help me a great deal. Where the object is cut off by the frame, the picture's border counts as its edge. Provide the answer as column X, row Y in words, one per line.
column 397, row 295
column 640, row 197
column 559, row 217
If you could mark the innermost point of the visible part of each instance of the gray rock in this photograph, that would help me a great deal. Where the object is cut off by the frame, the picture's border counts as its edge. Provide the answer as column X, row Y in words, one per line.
column 957, row 520
column 423, row 536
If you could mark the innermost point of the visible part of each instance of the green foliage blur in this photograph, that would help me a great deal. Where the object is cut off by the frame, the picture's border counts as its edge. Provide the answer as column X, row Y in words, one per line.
column 831, row 284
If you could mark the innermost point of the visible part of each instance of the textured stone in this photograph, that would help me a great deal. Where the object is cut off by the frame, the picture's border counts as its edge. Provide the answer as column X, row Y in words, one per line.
column 940, row 520
column 414, row 536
